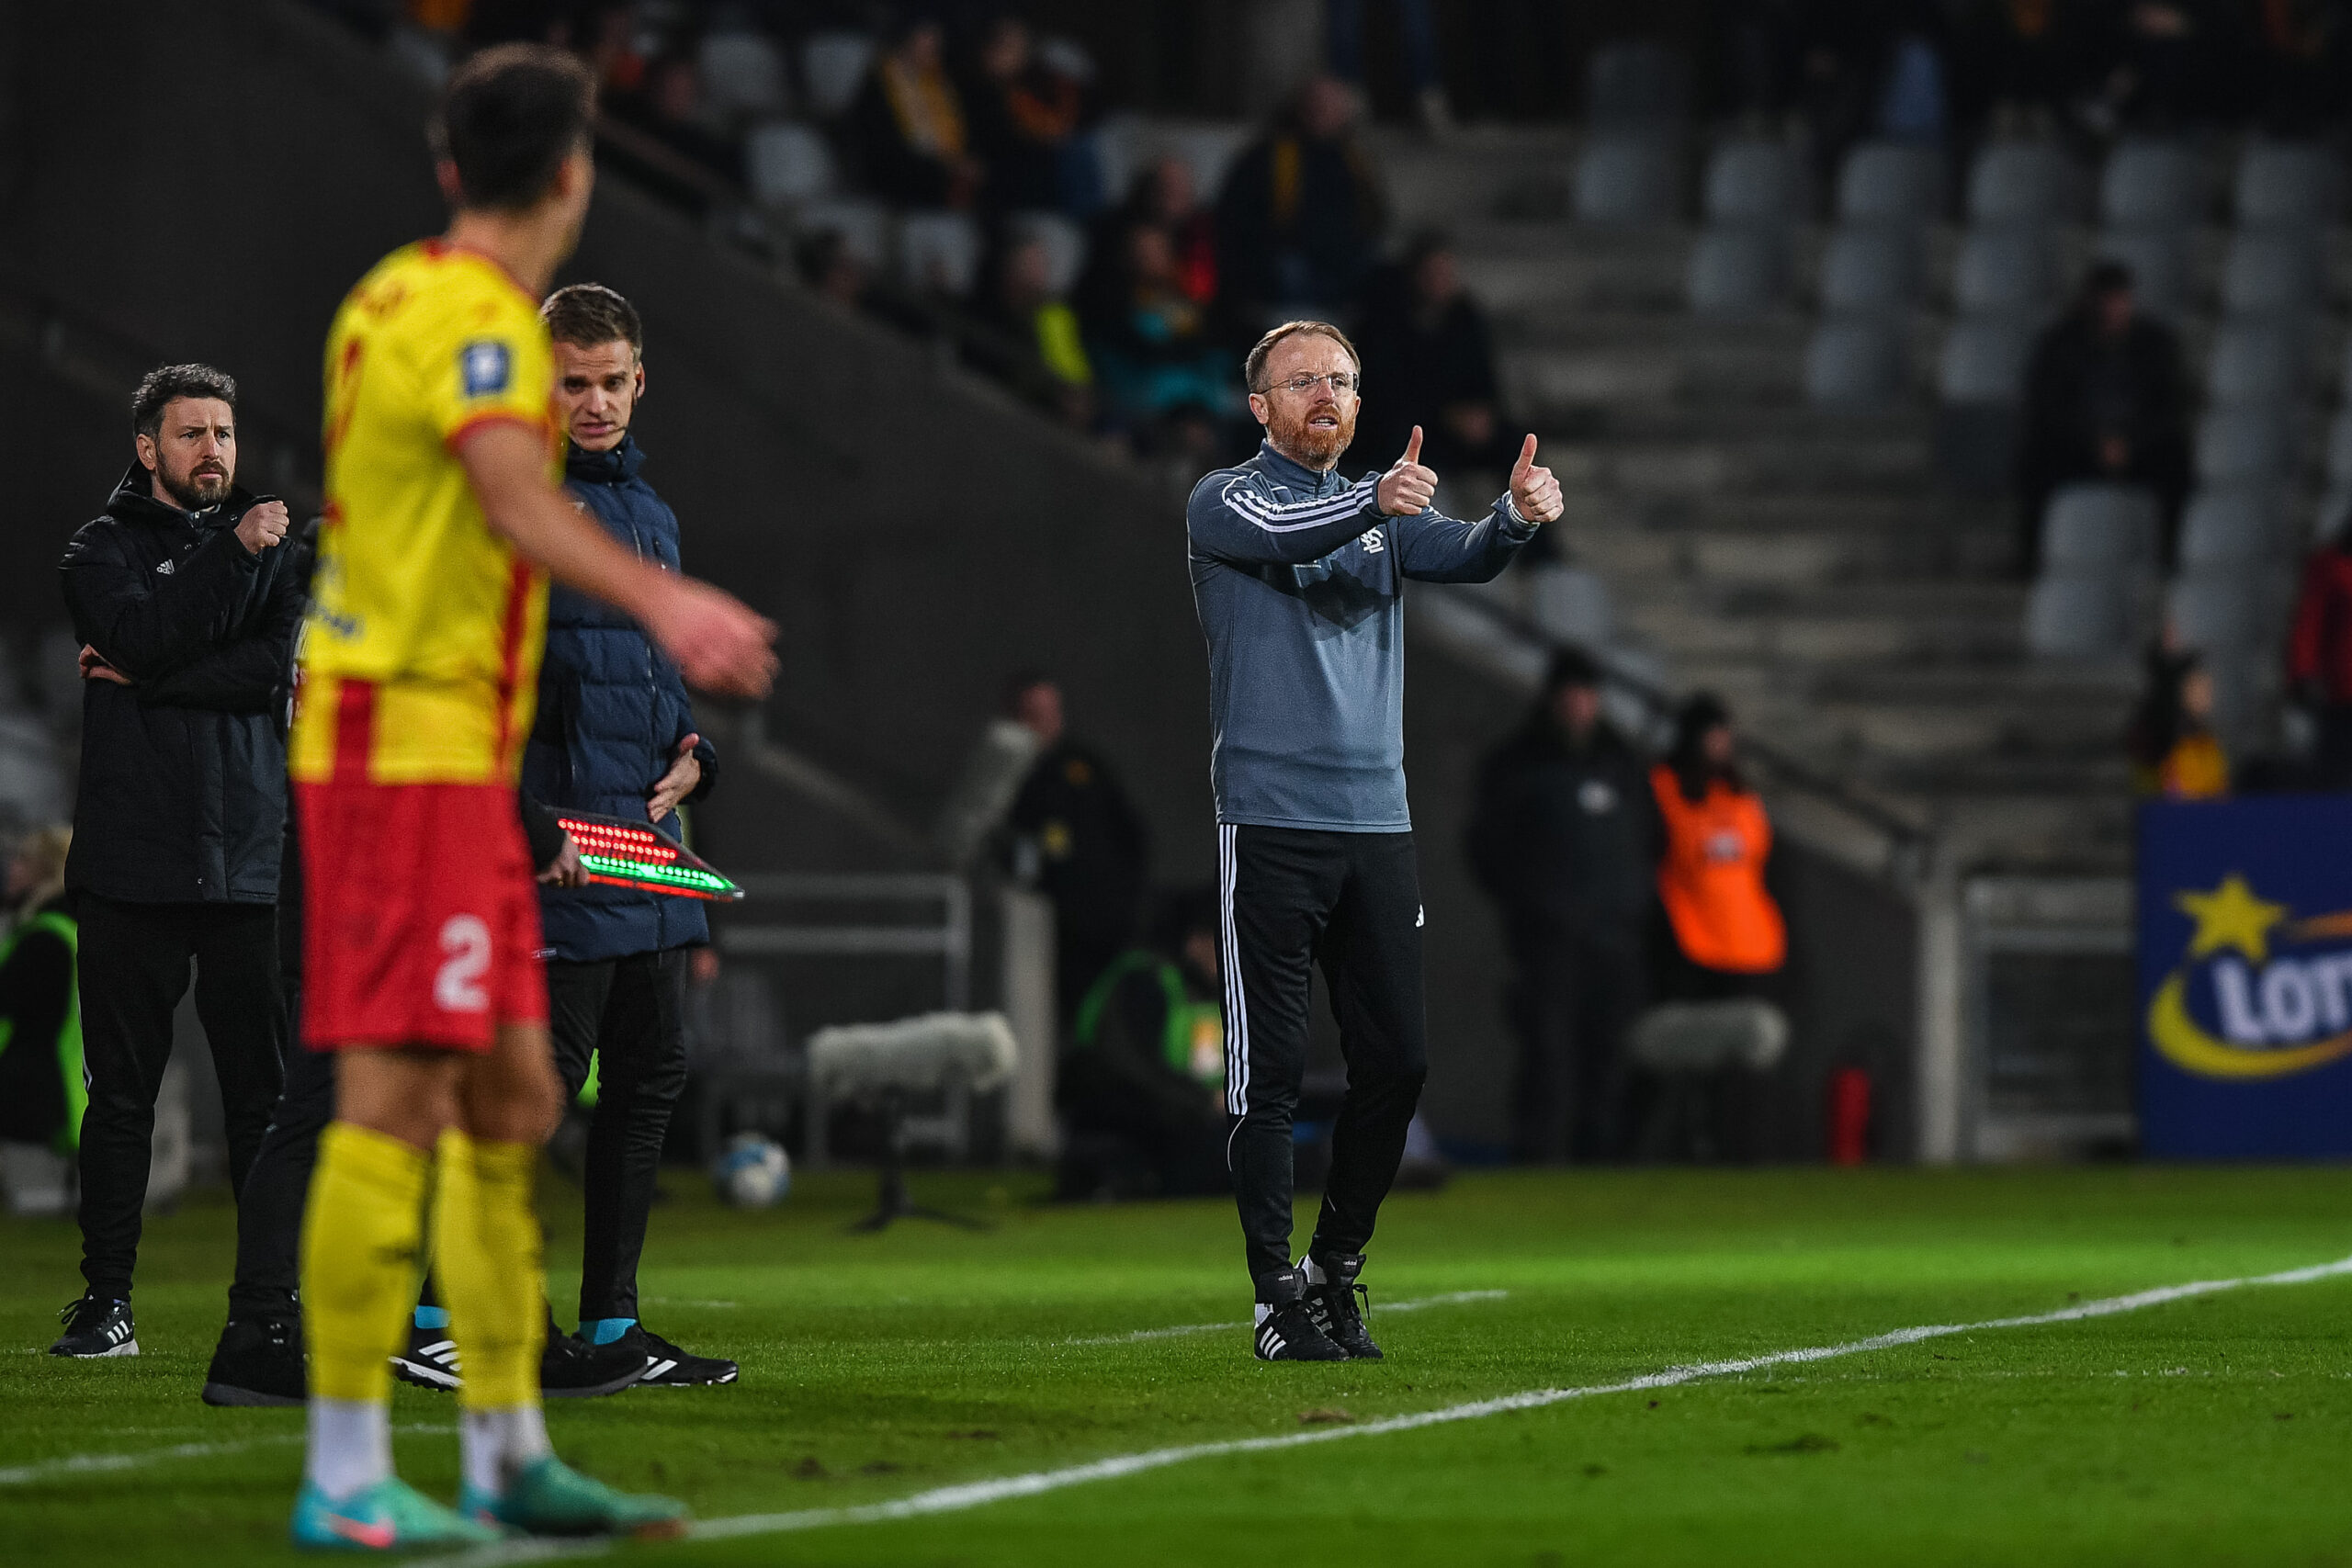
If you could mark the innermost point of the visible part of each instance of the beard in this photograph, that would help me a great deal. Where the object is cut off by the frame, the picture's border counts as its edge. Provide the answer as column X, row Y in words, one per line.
column 1316, row 448
column 195, row 490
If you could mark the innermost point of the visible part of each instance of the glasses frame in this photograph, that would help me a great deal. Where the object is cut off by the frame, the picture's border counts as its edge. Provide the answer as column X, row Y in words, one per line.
column 1353, row 380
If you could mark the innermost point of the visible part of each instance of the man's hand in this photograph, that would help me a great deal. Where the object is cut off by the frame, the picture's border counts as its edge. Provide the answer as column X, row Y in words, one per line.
column 1533, row 492
column 94, row 668
column 1406, row 487
column 263, row 527
column 677, row 783
column 565, row 870
column 719, row 644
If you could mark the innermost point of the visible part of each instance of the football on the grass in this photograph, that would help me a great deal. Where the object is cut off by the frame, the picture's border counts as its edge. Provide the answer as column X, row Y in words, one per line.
column 752, row 1171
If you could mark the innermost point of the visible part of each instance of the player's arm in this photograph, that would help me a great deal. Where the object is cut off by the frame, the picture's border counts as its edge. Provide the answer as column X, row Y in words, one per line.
column 718, row 643
column 1432, row 549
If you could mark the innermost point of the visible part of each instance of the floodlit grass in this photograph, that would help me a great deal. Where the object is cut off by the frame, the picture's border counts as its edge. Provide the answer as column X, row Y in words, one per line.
column 2214, row 1431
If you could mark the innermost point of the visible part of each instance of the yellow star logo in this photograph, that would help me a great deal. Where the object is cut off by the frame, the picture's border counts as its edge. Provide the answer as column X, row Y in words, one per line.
column 2230, row 916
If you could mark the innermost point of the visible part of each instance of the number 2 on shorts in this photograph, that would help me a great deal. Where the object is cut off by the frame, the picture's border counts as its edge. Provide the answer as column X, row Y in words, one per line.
column 456, row 985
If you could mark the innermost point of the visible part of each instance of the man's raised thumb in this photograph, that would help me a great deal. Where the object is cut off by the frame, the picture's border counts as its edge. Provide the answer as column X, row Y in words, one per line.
column 1526, row 460
column 1413, row 447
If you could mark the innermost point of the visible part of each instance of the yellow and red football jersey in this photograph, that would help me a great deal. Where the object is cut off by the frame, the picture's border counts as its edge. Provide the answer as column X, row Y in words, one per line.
column 420, row 660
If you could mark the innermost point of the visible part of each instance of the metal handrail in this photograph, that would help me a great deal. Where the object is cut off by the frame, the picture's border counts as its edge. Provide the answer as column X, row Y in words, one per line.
column 949, row 937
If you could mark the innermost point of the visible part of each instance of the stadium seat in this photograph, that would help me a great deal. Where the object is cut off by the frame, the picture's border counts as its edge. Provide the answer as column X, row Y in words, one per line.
column 863, row 226
column 2255, row 362
column 1855, row 362
column 2078, row 614
column 832, row 69
column 1636, row 86
column 1754, row 181
column 939, row 251
column 2023, row 183
column 1983, row 360
column 2012, row 268
column 1572, row 605
column 2245, row 445
column 1626, row 179
column 787, row 164
column 1890, row 181
column 743, row 76
column 2110, row 525
column 2212, row 610
column 1738, row 272
column 2232, row 524
column 2284, row 184
column 2274, row 271
column 1065, row 243
column 1873, row 267
column 2153, row 184
column 2163, row 274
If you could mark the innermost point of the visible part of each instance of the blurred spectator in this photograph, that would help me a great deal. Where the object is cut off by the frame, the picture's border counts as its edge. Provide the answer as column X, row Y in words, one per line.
column 1165, row 375
column 1726, row 931
column 2104, row 400
column 608, row 40
column 1141, row 1086
column 2319, row 654
column 2158, row 64
column 908, row 129
column 41, row 1093
column 1165, row 197
column 1841, row 56
column 1914, row 93
column 1300, row 216
column 1022, row 301
column 2299, row 55
column 1076, row 834
column 1416, row 30
column 1026, row 118
column 1429, row 360
column 1565, row 840
column 669, row 111
column 2174, row 752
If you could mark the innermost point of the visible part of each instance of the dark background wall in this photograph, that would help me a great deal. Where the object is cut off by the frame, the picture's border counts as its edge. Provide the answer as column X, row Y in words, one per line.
column 204, row 180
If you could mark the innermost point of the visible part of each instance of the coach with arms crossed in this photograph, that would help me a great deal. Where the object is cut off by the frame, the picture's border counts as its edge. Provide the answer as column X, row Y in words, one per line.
column 1299, row 577
column 616, row 735
column 184, row 595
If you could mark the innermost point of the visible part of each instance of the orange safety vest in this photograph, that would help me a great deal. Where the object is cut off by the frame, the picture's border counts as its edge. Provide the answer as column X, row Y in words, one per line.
column 1711, row 877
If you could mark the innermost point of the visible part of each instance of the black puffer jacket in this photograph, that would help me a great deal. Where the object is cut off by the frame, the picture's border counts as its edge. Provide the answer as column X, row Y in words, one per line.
column 183, row 789
column 1565, row 836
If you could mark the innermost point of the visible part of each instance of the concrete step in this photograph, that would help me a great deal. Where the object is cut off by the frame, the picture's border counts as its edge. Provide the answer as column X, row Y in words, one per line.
column 1888, row 459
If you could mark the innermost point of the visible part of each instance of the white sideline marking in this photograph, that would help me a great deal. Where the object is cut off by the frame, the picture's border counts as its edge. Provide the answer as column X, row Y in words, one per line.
column 979, row 1494
column 1450, row 1298
column 99, row 1465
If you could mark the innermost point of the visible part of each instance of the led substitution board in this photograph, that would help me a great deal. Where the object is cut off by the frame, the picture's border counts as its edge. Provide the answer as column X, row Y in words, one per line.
column 621, row 853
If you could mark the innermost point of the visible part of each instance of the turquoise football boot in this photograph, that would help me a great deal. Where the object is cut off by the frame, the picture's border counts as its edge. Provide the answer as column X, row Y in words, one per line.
column 549, row 1497
column 390, row 1515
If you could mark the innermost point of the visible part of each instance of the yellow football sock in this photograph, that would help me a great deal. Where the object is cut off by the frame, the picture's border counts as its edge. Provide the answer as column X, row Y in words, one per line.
column 362, row 1249
column 486, row 1253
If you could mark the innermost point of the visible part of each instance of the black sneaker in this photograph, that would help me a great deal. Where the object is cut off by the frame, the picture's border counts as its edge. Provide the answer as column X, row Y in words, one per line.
column 666, row 1366
column 1332, row 1301
column 258, row 1361
column 96, row 1328
column 571, row 1368
column 430, row 1359
column 1286, row 1329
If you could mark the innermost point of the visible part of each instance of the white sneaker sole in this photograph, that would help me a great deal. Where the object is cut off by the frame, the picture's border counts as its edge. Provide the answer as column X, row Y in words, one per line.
column 127, row 1348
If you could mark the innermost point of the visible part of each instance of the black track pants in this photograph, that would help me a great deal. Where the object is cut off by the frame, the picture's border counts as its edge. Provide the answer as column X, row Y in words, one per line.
column 133, row 963
column 1350, row 904
column 629, row 1012
column 269, row 1210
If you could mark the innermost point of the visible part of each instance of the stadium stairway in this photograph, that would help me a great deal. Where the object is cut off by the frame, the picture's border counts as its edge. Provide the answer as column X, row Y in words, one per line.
column 1810, row 565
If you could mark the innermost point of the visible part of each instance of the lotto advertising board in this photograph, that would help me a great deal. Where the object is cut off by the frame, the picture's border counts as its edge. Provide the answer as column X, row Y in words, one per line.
column 2246, row 978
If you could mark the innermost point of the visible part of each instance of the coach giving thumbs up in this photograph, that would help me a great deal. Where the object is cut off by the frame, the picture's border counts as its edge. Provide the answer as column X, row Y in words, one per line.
column 1406, row 489
column 1535, row 493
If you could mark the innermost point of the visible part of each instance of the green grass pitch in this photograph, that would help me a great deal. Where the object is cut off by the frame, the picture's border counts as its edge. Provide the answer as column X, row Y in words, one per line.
column 2211, row 1431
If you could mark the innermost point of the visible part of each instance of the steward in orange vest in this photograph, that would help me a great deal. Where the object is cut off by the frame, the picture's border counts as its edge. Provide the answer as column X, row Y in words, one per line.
column 1710, row 874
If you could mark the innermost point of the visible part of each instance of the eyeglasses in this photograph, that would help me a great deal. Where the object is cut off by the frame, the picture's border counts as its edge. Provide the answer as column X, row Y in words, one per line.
column 1340, row 380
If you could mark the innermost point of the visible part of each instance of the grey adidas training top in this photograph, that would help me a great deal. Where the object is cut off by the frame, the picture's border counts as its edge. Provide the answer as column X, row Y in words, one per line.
column 1299, row 581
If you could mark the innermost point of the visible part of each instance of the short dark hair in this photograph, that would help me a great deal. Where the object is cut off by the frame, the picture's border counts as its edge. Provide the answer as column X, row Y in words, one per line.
column 1571, row 666
column 2107, row 277
column 588, row 314
column 1253, row 369
column 1020, row 684
column 164, row 385
column 508, row 119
